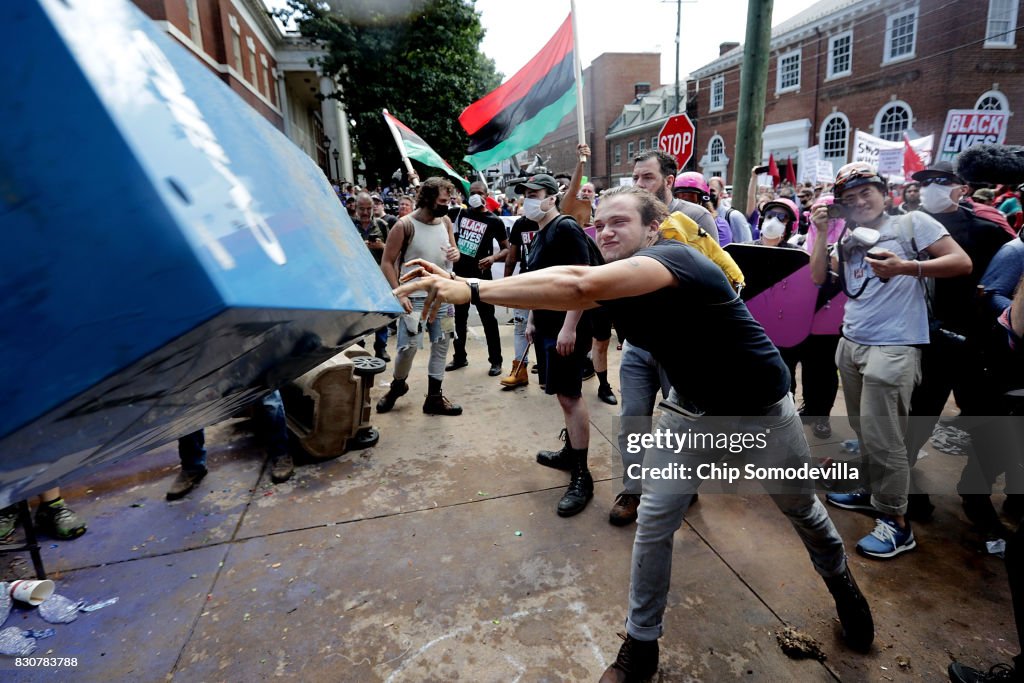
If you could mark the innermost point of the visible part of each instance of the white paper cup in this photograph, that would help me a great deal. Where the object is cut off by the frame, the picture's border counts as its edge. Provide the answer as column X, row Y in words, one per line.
column 32, row 592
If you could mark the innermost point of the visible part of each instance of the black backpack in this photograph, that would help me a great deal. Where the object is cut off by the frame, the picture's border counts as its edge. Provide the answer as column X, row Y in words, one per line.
column 592, row 249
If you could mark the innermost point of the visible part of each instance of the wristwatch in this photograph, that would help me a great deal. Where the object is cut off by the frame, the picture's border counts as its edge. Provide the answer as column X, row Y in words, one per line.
column 474, row 290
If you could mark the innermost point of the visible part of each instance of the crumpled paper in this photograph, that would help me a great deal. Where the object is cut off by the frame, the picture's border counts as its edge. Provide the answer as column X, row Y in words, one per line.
column 5, row 602
column 15, row 644
column 58, row 609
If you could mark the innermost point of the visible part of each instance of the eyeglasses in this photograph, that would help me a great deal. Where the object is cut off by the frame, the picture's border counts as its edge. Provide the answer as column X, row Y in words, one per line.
column 781, row 215
column 938, row 181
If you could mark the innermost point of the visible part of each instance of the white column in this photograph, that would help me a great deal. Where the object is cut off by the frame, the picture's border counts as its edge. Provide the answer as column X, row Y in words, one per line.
column 345, row 143
column 283, row 104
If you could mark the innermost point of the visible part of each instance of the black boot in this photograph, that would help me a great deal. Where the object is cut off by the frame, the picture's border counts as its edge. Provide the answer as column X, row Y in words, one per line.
column 637, row 661
column 854, row 612
column 399, row 387
column 581, row 486
column 558, row 459
column 979, row 509
column 919, row 507
column 436, row 403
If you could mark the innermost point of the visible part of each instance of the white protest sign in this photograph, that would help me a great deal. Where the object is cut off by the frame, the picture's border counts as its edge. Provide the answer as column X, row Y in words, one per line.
column 890, row 161
column 825, row 172
column 809, row 164
column 865, row 147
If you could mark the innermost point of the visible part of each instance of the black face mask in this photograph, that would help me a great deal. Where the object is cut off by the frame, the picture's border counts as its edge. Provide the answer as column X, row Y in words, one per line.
column 437, row 211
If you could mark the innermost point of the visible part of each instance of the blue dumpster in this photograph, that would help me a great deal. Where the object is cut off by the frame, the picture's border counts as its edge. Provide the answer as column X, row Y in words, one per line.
column 168, row 255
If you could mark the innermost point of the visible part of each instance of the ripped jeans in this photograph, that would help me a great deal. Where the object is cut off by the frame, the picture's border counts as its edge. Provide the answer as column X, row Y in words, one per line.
column 520, row 316
column 410, row 339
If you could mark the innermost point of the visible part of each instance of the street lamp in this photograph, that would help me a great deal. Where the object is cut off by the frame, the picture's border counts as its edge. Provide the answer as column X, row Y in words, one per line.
column 337, row 168
column 327, row 154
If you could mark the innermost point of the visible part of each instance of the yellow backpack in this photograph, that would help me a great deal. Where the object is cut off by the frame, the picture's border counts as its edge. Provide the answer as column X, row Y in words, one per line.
column 680, row 227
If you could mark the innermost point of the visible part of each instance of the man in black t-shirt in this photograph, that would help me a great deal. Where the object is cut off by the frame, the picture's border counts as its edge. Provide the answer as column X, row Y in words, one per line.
column 668, row 298
column 562, row 337
column 476, row 230
column 519, row 241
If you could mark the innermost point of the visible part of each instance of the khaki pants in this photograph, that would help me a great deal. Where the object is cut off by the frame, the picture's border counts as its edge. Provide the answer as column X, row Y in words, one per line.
column 878, row 382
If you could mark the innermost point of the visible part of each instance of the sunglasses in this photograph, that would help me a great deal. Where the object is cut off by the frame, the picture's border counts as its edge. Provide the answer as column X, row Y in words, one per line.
column 781, row 215
column 938, row 181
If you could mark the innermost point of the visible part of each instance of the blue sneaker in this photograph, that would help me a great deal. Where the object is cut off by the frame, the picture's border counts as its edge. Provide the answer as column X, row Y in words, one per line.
column 887, row 540
column 857, row 499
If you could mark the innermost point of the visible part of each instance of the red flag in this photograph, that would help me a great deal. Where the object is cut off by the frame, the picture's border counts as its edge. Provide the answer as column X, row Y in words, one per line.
column 790, row 172
column 773, row 169
column 911, row 161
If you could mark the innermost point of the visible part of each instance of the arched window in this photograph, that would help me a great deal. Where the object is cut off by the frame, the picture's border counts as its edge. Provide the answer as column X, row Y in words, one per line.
column 835, row 134
column 893, row 120
column 993, row 100
column 716, row 148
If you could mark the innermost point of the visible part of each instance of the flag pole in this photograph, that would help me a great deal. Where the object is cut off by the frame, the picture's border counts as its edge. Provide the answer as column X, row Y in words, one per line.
column 578, row 72
column 413, row 175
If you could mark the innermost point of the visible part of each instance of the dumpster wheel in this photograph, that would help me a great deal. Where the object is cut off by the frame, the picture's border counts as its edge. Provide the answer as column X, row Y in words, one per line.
column 368, row 366
column 364, row 438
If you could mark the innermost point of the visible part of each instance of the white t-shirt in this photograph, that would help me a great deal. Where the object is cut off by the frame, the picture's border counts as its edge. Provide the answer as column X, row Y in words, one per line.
column 893, row 313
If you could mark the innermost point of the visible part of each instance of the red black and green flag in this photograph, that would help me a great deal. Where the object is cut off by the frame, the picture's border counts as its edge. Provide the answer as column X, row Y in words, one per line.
column 524, row 108
column 414, row 147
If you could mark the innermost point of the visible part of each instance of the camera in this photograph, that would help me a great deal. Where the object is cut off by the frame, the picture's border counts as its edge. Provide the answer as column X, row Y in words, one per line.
column 835, row 211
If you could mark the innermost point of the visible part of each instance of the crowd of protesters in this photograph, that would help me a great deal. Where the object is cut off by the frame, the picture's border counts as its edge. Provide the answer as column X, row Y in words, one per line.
column 919, row 274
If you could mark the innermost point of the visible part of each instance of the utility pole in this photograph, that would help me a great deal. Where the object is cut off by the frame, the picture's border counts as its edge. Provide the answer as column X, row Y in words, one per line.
column 679, row 25
column 753, row 86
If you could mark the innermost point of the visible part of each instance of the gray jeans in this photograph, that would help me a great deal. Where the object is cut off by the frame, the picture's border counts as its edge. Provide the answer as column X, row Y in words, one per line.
column 878, row 382
column 410, row 339
column 661, row 511
column 640, row 380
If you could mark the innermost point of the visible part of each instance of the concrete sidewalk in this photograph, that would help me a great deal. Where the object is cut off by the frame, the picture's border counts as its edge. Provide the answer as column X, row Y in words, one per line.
column 437, row 556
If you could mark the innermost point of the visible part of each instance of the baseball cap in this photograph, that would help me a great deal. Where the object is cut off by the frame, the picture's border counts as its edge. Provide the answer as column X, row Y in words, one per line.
column 376, row 197
column 541, row 181
column 940, row 169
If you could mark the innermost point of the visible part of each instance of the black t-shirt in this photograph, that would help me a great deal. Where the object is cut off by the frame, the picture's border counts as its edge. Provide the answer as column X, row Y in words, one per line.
column 677, row 324
column 561, row 242
column 956, row 299
column 475, row 232
column 523, row 232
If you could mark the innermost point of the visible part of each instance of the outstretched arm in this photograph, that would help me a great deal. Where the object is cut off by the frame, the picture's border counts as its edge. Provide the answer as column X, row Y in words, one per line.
column 561, row 288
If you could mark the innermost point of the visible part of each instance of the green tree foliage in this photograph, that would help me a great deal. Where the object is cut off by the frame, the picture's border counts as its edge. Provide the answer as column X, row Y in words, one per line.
column 419, row 59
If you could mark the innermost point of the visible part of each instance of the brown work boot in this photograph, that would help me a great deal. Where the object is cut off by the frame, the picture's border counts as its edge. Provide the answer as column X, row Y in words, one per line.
column 183, row 483
column 437, row 404
column 637, row 661
column 623, row 512
column 282, row 469
column 517, row 377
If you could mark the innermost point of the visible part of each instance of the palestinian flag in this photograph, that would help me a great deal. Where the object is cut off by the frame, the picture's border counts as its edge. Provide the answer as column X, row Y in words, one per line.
column 524, row 108
column 415, row 148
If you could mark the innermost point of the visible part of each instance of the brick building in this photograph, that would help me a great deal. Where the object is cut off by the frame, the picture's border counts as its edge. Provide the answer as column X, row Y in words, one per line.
column 636, row 130
column 886, row 67
column 609, row 83
column 269, row 69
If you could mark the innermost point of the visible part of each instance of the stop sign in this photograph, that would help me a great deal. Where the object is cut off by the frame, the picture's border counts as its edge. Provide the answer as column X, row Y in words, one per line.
column 676, row 138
